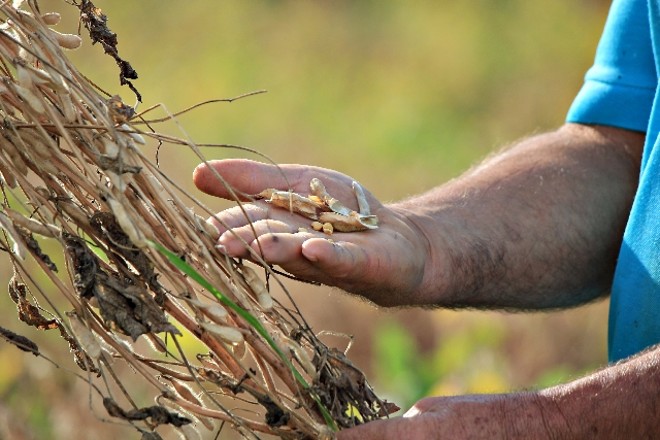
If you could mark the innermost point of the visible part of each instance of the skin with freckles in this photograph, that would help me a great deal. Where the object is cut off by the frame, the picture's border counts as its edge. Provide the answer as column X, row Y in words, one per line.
column 537, row 226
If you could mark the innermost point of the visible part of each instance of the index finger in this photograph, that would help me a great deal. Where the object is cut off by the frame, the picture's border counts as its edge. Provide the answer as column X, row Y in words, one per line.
column 243, row 178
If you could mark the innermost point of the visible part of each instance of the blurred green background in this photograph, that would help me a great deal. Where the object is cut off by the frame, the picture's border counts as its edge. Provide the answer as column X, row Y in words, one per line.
column 400, row 95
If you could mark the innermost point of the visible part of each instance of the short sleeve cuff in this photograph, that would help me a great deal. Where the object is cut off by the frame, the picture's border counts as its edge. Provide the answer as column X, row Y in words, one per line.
column 616, row 105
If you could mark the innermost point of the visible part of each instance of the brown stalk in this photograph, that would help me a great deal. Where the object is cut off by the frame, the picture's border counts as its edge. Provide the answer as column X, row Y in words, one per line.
column 75, row 172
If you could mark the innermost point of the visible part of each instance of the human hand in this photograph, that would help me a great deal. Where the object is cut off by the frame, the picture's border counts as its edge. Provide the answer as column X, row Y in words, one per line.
column 385, row 265
column 489, row 416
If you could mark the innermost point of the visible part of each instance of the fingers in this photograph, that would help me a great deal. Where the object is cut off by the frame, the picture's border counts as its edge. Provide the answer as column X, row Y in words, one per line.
column 226, row 178
column 305, row 254
column 239, row 179
column 314, row 257
column 238, row 241
column 238, row 216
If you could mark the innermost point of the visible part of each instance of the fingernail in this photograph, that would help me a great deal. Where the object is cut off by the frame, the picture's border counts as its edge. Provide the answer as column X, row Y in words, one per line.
column 412, row 412
column 221, row 248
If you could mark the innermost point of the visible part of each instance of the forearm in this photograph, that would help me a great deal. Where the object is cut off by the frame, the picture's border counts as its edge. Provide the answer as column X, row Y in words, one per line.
column 620, row 401
column 537, row 226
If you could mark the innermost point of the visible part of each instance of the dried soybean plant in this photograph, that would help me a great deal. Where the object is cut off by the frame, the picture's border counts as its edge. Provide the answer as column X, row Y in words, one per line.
column 141, row 262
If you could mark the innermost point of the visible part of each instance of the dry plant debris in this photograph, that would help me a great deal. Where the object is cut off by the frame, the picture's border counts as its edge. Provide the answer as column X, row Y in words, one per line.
column 96, row 23
column 140, row 262
column 328, row 213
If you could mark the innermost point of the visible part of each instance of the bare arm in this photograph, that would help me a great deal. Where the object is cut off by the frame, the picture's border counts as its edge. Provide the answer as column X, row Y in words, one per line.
column 536, row 226
column 620, row 401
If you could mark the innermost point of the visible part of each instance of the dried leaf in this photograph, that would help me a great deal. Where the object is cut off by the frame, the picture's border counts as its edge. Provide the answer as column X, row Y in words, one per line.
column 96, row 23
column 33, row 245
column 157, row 415
column 27, row 312
column 129, row 307
column 107, row 225
column 275, row 416
column 21, row 342
column 84, row 265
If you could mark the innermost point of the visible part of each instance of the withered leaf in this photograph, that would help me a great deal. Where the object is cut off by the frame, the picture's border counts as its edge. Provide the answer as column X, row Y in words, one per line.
column 27, row 312
column 117, row 165
column 113, row 409
column 158, row 415
column 84, row 265
column 275, row 416
column 340, row 385
column 33, row 245
column 21, row 342
column 129, row 307
column 96, row 23
column 106, row 225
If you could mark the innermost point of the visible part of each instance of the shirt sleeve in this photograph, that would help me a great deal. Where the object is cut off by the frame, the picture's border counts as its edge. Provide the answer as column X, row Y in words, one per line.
column 619, row 88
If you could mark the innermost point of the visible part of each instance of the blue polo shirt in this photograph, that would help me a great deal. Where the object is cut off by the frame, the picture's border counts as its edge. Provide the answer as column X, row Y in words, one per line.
column 621, row 90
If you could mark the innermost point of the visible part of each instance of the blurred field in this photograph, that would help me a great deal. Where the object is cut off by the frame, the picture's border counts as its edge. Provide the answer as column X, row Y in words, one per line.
column 400, row 95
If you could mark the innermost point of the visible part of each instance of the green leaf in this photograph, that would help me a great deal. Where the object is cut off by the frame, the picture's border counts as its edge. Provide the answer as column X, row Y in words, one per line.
column 254, row 322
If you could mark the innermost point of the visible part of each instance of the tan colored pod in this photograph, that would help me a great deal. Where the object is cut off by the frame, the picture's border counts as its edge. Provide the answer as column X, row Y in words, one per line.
column 230, row 335
column 66, row 41
column 264, row 298
column 84, row 336
column 51, row 18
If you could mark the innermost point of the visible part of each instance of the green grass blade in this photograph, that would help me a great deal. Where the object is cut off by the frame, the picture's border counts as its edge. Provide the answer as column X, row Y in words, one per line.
column 254, row 322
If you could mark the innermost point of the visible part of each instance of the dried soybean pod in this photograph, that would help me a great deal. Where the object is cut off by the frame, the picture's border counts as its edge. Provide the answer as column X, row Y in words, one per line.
column 66, row 41
column 186, row 394
column 293, row 202
column 214, row 312
column 126, row 223
column 51, row 18
column 137, row 137
column 231, row 335
column 189, row 432
column 7, row 176
column 29, row 98
column 318, row 189
column 363, row 205
column 15, row 157
column 68, row 109
column 258, row 287
column 295, row 351
column 206, row 226
column 84, row 336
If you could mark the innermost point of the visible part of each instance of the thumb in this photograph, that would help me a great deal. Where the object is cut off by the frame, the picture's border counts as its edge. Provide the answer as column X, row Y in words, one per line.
column 239, row 177
column 336, row 259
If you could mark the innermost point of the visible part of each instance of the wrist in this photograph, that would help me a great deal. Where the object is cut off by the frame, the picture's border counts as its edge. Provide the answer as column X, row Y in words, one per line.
column 430, row 287
column 534, row 415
